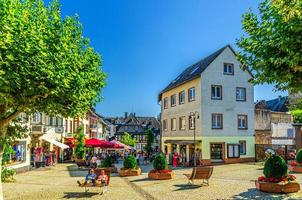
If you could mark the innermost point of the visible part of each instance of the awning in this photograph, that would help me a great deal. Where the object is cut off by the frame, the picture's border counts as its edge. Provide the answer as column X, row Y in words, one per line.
column 50, row 137
column 184, row 142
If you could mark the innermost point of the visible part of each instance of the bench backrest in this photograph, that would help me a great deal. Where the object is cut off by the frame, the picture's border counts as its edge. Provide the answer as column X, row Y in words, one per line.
column 97, row 171
column 202, row 172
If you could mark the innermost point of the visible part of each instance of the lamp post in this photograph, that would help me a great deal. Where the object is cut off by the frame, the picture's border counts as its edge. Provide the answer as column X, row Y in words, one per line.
column 194, row 115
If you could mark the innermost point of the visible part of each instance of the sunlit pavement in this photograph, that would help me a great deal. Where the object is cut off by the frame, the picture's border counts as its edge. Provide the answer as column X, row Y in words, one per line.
column 235, row 181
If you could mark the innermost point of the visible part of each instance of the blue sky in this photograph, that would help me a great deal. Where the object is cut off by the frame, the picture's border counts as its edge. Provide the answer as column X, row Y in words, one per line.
column 145, row 44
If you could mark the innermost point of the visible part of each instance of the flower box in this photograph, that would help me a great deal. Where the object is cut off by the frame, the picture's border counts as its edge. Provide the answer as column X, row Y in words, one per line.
column 161, row 174
column 280, row 187
column 295, row 167
column 130, row 172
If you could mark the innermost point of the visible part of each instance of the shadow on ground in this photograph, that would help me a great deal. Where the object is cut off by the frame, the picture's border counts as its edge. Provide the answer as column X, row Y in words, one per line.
column 257, row 195
column 186, row 187
column 143, row 179
column 75, row 171
column 78, row 195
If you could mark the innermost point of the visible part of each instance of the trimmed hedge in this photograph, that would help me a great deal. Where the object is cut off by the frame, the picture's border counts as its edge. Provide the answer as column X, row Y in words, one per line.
column 130, row 162
column 275, row 167
column 160, row 162
column 107, row 162
column 299, row 156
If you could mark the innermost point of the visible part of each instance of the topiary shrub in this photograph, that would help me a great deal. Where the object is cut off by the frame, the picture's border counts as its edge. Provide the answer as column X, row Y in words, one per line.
column 299, row 156
column 130, row 162
column 275, row 167
column 107, row 162
column 160, row 162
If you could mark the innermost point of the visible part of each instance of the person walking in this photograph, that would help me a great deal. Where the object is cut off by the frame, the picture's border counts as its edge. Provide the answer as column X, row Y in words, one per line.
column 175, row 159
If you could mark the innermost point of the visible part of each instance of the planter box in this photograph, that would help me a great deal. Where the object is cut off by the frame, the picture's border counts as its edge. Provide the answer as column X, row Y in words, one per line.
column 296, row 169
column 282, row 187
column 130, row 172
column 161, row 176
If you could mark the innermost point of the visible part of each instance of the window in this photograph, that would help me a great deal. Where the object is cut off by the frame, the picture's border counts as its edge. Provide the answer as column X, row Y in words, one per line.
column 191, row 122
column 173, row 124
column 165, row 125
column 36, row 117
column 240, row 94
column 191, row 94
column 228, row 69
column 166, row 102
column 216, row 92
column 66, row 125
column 182, row 123
column 233, row 151
column 182, row 96
column 50, row 121
column 242, row 121
column 173, row 100
column 70, row 130
column 216, row 121
column 242, row 147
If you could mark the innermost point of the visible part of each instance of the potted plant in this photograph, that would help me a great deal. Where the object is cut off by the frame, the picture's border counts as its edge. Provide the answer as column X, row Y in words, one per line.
column 130, row 167
column 161, row 170
column 80, row 147
column 276, row 178
column 296, row 166
column 108, row 164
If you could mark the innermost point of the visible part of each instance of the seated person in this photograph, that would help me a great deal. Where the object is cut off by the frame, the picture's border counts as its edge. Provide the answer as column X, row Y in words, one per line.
column 90, row 178
column 103, row 179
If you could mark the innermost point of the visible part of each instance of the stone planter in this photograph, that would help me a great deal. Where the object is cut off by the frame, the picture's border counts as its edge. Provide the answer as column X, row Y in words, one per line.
column 296, row 169
column 130, row 172
column 281, row 187
column 160, row 175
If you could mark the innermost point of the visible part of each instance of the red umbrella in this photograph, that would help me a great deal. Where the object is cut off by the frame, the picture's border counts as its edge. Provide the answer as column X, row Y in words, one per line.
column 93, row 142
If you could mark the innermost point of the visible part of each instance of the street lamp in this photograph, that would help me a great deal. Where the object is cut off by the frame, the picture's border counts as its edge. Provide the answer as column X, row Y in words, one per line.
column 193, row 116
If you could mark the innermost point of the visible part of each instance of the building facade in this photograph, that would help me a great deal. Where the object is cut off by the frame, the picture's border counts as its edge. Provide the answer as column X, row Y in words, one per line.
column 214, row 99
column 274, row 128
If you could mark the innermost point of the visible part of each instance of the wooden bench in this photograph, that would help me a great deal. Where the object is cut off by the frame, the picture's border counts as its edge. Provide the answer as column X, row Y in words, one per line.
column 204, row 173
column 97, row 171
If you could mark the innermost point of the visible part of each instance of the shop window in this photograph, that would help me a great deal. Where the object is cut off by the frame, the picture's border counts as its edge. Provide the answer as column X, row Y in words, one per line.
column 242, row 147
column 233, row 150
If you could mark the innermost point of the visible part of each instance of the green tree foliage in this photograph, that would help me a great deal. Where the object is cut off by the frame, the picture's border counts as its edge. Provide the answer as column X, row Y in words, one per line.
column 46, row 64
column 128, row 140
column 130, row 162
column 160, row 162
column 80, row 143
column 299, row 156
column 271, row 45
column 297, row 115
column 150, row 140
column 275, row 167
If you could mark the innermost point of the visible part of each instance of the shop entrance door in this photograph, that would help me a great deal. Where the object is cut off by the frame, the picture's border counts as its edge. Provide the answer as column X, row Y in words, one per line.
column 216, row 153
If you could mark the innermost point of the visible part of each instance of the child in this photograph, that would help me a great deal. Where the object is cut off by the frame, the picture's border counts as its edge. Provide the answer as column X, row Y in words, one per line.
column 90, row 177
column 103, row 178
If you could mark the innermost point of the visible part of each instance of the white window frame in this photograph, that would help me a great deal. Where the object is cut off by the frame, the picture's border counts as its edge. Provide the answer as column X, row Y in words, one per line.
column 217, row 95
column 191, row 94
column 241, row 118
column 182, row 123
column 173, row 100
column 233, row 150
column 166, row 103
column 215, row 121
column 229, row 67
column 36, row 118
column 182, row 97
column 240, row 94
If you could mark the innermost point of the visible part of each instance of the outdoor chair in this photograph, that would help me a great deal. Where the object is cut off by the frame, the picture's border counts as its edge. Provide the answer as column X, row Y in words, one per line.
column 203, row 172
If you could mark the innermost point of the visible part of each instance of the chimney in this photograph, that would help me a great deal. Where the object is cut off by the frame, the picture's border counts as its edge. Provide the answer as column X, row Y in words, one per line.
column 126, row 115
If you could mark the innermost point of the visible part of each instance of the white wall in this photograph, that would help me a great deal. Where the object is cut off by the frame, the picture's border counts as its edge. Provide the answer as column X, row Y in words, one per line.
column 228, row 106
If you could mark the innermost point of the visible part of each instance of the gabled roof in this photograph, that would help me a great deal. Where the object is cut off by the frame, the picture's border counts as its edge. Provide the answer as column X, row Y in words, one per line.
column 194, row 70
column 276, row 105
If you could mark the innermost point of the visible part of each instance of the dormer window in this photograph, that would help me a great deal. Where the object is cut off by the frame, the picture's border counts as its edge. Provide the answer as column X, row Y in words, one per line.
column 228, row 69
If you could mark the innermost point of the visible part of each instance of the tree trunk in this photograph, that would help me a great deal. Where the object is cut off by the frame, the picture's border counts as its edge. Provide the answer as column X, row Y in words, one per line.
column 3, row 129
